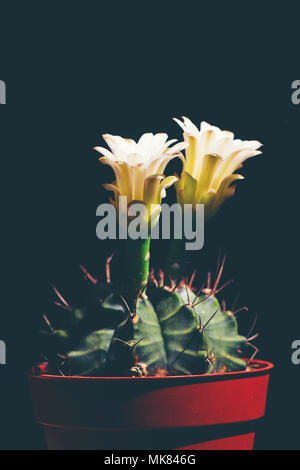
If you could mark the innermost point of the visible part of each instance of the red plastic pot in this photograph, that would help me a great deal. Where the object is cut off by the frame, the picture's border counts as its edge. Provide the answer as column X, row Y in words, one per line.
column 209, row 412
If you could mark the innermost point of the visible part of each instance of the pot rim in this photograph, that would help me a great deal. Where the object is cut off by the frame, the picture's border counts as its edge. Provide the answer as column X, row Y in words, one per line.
column 263, row 368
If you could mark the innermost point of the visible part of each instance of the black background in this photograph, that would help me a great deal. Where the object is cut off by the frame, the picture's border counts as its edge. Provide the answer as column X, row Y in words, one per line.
column 75, row 72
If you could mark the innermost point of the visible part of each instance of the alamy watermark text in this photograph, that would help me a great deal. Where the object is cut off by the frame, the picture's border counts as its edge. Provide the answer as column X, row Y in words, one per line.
column 2, row 352
column 134, row 223
column 2, row 92
column 296, row 352
column 296, row 94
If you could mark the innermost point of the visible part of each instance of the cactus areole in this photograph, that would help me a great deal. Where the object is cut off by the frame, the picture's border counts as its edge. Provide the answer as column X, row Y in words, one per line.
column 149, row 350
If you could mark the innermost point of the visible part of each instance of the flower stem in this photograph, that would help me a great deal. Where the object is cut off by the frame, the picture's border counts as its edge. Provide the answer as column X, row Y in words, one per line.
column 134, row 266
column 176, row 259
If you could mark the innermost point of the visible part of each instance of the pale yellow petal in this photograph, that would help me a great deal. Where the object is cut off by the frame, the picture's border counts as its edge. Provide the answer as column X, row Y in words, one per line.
column 166, row 183
column 155, row 211
column 125, row 180
column 151, row 188
column 138, row 175
column 111, row 187
column 210, row 164
column 208, row 199
column 187, row 185
column 115, row 167
column 225, row 189
column 192, row 156
column 105, row 152
column 231, row 164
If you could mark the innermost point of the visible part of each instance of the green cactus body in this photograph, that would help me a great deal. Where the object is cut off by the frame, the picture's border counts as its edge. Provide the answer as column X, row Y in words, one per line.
column 147, row 333
column 181, row 344
column 175, row 334
column 220, row 330
column 91, row 356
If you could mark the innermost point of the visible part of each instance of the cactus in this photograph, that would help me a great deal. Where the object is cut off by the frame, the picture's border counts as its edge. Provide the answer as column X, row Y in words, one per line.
column 142, row 326
column 172, row 331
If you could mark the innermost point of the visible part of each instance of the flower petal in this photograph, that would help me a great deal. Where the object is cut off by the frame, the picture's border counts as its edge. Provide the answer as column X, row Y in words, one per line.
column 105, row 152
column 151, row 189
column 209, row 166
column 114, row 188
column 190, row 126
column 208, row 199
column 138, row 175
column 187, row 185
column 193, row 160
column 225, row 189
column 231, row 164
column 166, row 183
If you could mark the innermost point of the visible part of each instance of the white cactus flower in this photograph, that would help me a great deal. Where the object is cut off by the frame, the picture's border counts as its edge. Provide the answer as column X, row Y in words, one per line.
column 211, row 159
column 139, row 166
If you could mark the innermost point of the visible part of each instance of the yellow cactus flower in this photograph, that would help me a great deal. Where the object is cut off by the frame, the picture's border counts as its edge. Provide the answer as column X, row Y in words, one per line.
column 139, row 167
column 211, row 158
